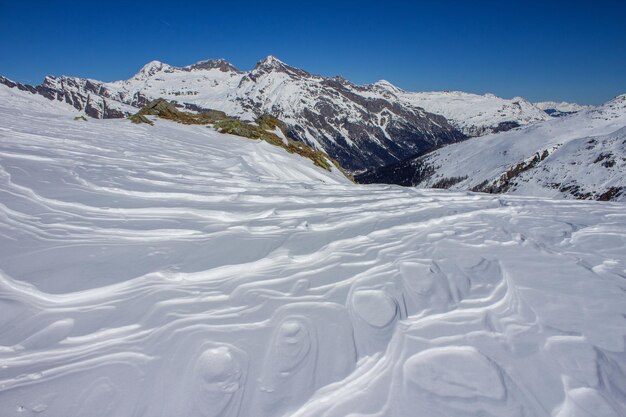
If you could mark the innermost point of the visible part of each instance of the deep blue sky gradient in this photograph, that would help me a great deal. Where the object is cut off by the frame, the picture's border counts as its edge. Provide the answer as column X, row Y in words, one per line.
column 542, row 50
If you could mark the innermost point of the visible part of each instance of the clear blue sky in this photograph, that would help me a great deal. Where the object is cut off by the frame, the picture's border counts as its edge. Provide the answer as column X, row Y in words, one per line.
column 558, row 50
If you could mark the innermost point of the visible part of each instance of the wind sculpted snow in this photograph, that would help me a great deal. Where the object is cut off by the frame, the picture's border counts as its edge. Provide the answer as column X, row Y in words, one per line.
column 169, row 270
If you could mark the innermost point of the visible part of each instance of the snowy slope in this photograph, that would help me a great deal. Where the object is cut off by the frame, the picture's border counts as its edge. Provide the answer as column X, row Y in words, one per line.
column 169, row 270
column 582, row 156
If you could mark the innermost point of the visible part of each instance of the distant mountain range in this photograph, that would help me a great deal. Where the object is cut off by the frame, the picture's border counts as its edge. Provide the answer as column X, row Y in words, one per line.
column 361, row 126
column 382, row 133
column 563, row 108
column 581, row 156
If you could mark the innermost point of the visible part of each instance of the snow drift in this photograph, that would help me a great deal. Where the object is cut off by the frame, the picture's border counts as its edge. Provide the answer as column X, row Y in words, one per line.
column 169, row 270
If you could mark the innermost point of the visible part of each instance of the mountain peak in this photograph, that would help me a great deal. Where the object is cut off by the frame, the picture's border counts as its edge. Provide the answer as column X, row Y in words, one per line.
column 271, row 61
column 208, row 64
column 152, row 68
column 273, row 64
column 386, row 85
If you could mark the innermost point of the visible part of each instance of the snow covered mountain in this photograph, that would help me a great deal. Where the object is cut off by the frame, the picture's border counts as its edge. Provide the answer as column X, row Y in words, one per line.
column 357, row 129
column 361, row 126
column 581, row 156
column 563, row 108
column 170, row 270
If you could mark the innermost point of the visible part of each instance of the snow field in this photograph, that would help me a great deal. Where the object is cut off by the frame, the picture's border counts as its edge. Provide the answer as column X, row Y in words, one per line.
column 174, row 271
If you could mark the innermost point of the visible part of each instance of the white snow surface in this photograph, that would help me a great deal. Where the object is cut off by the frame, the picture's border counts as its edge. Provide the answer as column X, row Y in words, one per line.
column 169, row 270
column 586, row 150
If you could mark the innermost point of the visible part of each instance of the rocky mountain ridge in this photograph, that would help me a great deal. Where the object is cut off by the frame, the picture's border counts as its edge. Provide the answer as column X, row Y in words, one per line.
column 361, row 126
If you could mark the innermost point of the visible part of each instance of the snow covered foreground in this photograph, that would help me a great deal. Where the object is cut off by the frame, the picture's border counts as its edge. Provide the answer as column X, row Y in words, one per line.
column 172, row 271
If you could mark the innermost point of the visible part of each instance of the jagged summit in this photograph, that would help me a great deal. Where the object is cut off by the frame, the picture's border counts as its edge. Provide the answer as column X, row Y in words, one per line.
column 154, row 67
column 270, row 61
column 207, row 64
column 269, row 64
column 273, row 64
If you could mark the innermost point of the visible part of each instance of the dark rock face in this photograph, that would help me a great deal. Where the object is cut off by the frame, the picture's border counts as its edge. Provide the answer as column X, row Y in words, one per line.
column 504, row 126
column 220, row 64
column 506, row 180
column 271, row 64
column 139, row 100
column 350, row 122
column 19, row 86
column 485, row 130
column 407, row 173
column 558, row 113
column 612, row 193
column 352, row 144
column 84, row 95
